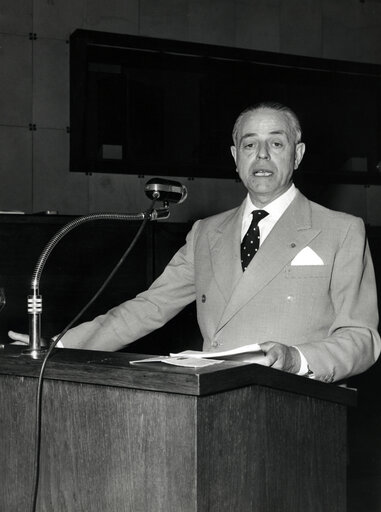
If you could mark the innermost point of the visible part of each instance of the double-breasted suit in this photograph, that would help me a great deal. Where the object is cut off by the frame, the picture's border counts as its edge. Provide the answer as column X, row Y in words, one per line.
column 326, row 305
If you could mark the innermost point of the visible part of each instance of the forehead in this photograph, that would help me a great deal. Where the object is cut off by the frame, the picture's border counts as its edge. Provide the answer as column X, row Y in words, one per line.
column 264, row 122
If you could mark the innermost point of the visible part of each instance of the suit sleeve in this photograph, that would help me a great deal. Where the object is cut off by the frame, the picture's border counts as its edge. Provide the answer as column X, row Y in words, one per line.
column 353, row 343
column 133, row 319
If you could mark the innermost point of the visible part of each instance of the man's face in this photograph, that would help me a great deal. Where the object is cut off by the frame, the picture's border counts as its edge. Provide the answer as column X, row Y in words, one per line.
column 266, row 154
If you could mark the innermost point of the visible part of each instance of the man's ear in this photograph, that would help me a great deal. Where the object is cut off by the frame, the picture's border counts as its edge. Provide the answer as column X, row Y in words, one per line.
column 233, row 151
column 299, row 152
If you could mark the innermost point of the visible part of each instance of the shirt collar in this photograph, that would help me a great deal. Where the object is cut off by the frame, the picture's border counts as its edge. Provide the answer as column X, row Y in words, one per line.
column 276, row 208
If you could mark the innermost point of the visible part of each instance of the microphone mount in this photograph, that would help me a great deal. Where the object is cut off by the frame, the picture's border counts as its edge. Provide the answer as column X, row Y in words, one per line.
column 167, row 191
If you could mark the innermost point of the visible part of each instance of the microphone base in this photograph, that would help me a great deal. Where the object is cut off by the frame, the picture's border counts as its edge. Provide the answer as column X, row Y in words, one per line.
column 35, row 353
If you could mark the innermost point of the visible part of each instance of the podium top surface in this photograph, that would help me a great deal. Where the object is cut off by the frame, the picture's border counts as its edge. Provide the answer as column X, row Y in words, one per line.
column 114, row 369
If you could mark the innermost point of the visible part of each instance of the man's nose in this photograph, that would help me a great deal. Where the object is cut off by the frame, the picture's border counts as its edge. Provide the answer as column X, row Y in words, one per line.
column 263, row 151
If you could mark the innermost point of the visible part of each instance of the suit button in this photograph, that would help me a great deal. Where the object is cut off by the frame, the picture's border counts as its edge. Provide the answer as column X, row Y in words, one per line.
column 214, row 343
column 203, row 298
column 290, row 298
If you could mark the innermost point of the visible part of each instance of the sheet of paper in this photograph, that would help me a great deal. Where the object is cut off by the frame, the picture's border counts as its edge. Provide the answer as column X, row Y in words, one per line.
column 189, row 362
column 192, row 362
column 253, row 348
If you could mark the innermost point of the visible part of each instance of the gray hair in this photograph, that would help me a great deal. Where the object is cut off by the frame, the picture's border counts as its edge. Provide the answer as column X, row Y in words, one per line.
column 288, row 112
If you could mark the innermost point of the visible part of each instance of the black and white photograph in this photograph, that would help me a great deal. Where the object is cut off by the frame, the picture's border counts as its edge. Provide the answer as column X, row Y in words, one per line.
column 190, row 255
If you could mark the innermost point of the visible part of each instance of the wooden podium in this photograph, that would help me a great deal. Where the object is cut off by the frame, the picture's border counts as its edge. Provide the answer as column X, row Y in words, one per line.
column 158, row 438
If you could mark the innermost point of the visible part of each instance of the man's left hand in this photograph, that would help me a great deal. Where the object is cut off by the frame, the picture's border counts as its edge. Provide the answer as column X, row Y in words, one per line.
column 281, row 356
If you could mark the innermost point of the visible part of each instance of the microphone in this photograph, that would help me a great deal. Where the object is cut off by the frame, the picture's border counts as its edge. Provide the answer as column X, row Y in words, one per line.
column 166, row 190
column 158, row 188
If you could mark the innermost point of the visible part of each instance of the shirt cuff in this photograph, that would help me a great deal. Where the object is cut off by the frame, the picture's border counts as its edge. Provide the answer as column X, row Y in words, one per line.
column 304, row 369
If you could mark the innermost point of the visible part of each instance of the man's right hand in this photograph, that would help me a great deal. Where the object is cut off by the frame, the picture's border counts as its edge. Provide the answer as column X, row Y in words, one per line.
column 23, row 339
column 18, row 338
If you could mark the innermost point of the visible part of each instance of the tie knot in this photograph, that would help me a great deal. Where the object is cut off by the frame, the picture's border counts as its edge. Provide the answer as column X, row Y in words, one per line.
column 258, row 215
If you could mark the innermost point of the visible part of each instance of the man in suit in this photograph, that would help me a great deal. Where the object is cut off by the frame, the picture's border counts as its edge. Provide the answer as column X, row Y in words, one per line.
column 308, row 295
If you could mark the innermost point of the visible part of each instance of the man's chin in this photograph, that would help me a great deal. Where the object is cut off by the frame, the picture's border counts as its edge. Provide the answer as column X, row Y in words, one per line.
column 262, row 182
column 262, row 195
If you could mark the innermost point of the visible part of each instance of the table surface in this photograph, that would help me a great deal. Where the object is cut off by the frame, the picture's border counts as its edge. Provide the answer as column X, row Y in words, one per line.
column 114, row 369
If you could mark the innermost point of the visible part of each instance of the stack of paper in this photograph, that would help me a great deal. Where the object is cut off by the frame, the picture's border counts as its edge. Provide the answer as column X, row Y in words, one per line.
column 197, row 359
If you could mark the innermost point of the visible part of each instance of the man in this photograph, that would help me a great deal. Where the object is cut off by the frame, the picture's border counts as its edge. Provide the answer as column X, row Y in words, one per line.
column 308, row 296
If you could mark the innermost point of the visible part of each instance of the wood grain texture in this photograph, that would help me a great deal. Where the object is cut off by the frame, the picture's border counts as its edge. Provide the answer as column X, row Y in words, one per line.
column 17, row 434
column 103, row 449
column 117, row 449
column 269, row 451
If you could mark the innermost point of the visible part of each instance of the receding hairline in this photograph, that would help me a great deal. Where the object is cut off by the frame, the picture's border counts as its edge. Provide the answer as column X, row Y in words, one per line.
column 290, row 115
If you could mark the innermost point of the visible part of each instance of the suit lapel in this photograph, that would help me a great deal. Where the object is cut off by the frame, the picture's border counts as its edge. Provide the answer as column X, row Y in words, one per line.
column 225, row 254
column 290, row 234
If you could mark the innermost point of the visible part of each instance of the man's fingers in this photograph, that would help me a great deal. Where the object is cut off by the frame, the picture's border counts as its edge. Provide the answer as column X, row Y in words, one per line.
column 273, row 354
column 275, row 358
column 265, row 347
column 281, row 357
column 269, row 357
column 18, row 337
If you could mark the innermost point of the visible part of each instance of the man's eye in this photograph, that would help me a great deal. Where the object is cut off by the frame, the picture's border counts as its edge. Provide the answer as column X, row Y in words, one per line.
column 277, row 144
column 249, row 145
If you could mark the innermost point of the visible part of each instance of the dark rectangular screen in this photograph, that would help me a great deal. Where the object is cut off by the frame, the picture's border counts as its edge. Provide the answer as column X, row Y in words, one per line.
column 160, row 107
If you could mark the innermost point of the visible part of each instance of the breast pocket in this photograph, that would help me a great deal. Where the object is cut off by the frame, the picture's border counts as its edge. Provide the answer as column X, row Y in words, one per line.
column 307, row 290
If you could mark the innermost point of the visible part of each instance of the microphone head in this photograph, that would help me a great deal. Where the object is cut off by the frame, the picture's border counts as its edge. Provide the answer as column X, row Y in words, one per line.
column 165, row 190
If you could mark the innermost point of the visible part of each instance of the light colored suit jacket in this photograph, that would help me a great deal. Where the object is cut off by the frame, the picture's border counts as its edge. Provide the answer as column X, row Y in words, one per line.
column 325, row 304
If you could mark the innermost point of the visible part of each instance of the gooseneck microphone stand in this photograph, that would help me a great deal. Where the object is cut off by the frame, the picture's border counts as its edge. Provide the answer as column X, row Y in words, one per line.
column 167, row 191
column 35, row 349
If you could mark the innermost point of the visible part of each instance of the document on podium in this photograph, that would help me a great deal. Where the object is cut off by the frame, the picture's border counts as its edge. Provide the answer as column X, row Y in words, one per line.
column 185, row 361
column 247, row 354
column 254, row 347
column 197, row 359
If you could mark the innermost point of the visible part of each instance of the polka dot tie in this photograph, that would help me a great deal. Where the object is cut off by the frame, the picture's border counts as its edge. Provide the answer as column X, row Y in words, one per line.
column 250, row 242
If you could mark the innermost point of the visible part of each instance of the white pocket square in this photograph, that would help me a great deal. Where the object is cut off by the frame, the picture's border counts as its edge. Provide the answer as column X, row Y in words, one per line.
column 307, row 257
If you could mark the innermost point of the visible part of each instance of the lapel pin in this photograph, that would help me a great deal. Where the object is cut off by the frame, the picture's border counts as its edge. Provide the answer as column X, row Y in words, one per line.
column 292, row 245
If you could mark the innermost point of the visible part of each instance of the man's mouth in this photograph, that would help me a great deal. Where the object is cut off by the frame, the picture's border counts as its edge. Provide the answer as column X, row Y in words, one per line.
column 262, row 173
